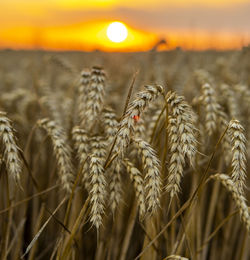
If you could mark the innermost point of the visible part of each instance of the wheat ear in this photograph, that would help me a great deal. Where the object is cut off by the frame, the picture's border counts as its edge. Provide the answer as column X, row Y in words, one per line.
column 137, row 180
column 151, row 167
column 152, row 122
column 95, row 95
column 110, row 122
column 81, row 143
column 82, row 94
column 226, row 141
column 244, row 92
column 62, row 151
column 238, row 141
column 98, row 182
column 211, row 108
column 202, row 76
column 10, row 148
column 186, row 120
column 238, row 198
column 231, row 100
column 135, row 108
column 177, row 160
column 115, row 185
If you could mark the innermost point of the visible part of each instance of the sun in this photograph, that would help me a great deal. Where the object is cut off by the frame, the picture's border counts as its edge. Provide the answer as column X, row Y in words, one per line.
column 117, row 32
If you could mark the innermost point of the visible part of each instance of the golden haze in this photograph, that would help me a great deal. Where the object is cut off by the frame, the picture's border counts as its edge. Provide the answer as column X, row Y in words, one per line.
column 38, row 24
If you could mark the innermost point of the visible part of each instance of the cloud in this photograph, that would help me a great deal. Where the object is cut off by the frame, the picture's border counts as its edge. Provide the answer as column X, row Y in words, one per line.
column 233, row 18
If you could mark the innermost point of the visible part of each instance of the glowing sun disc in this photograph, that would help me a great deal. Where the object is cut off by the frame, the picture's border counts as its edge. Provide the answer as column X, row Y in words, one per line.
column 117, row 32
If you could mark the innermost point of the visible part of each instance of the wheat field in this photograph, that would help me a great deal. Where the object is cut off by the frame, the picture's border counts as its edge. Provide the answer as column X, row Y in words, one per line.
column 125, row 155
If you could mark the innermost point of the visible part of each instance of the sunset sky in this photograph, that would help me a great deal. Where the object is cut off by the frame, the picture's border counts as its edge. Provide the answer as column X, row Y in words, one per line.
column 82, row 25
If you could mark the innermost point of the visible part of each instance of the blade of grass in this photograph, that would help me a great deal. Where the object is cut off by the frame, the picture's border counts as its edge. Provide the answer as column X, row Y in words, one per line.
column 41, row 229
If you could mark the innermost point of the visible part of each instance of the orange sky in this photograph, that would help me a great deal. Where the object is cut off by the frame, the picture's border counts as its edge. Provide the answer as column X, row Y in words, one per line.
column 82, row 24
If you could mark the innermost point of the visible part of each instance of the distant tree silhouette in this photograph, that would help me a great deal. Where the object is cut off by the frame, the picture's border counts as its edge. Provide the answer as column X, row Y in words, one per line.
column 158, row 43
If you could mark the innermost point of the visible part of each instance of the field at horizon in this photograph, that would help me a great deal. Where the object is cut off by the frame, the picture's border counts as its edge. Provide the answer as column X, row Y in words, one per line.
column 125, row 155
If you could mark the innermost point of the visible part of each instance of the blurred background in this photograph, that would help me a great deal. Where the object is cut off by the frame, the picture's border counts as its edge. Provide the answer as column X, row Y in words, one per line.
column 86, row 25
